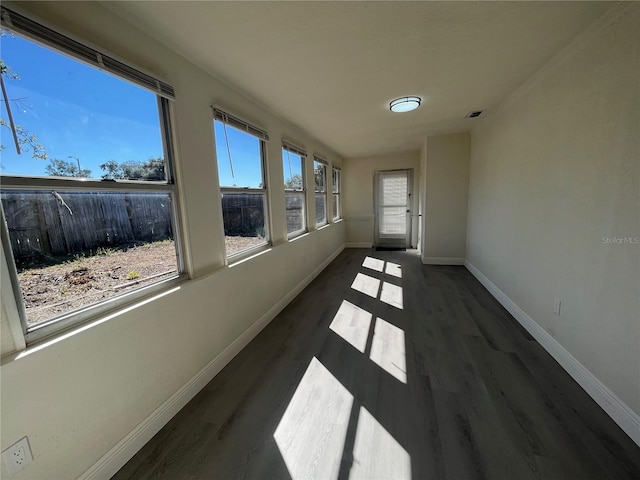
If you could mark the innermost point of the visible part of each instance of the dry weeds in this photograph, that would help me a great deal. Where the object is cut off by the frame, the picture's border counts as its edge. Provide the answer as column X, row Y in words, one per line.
column 53, row 290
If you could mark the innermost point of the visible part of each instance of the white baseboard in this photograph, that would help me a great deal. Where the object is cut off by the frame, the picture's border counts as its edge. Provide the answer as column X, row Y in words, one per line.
column 442, row 261
column 359, row 245
column 126, row 448
column 620, row 412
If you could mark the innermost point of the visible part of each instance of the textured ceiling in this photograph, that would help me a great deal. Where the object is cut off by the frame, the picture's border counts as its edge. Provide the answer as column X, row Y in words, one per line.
column 331, row 68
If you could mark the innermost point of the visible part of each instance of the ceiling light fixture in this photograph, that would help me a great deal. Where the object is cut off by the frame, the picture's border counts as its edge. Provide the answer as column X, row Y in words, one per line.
column 404, row 104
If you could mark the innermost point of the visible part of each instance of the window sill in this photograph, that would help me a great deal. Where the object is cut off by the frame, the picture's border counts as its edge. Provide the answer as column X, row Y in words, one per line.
column 242, row 257
column 296, row 235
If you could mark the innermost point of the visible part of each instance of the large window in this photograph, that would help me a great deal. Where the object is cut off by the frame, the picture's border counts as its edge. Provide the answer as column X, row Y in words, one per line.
column 294, row 182
column 87, row 193
column 337, row 207
column 240, row 150
column 320, row 173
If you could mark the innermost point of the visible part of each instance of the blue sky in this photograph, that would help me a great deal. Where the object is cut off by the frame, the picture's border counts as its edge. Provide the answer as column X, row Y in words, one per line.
column 243, row 153
column 74, row 111
column 78, row 111
column 292, row 165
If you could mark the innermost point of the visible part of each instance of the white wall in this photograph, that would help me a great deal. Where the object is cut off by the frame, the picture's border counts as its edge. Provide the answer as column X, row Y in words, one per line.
column 553, row 171
column 80, row 395
column 445, row 180
column 358, row 207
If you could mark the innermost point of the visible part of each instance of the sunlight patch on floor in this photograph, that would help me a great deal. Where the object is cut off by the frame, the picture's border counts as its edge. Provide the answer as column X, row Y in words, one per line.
column 373, row 263
column 352, row 323
column 393, row 269
column 388, row 349
column 312, row 431
column 376, row 454
column 366, row 284
column 391, row 295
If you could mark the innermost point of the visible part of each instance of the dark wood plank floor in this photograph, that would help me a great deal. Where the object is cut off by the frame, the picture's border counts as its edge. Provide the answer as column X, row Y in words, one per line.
column 424, row 376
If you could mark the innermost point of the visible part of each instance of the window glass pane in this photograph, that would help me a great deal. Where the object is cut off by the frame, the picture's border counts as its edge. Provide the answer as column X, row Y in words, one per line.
column 74, row 120
column 292, row 167
column 240, row 167
column 335, row 173
column 393, row 220
column 73, row 249
column 320, row 171
column 294, row 203
column 244, row 221
column 239, row 157
column 393, row 188
column 321, row 208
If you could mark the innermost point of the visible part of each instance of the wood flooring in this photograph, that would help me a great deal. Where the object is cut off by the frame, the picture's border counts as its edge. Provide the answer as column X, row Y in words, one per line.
column 385, row 368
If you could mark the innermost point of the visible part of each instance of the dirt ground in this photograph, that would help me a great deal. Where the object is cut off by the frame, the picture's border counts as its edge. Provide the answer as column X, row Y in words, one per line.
column 237, row 244
column 50, row 291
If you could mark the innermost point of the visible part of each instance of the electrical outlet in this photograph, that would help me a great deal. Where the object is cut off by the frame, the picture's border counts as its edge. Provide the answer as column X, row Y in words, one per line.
column 17, row 456
column 556, row 306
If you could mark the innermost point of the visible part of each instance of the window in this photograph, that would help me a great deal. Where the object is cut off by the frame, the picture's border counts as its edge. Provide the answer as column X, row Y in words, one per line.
column 240, row 150
column 87, row 188
column 320, row 173
column 337, row 208
column 294, row 191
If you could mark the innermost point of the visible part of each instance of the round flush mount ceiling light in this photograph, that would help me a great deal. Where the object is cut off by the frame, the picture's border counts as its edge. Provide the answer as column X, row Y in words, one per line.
column 404, row 104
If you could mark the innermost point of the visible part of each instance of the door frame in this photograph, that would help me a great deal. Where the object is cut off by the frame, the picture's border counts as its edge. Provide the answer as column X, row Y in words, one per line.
column 391, row 241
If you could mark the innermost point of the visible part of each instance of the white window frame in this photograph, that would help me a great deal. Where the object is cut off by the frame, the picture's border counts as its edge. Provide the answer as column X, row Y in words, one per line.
column 321, row 161
column 55, row 41
column 336, row 191
column 290, row 147
column 234, row 121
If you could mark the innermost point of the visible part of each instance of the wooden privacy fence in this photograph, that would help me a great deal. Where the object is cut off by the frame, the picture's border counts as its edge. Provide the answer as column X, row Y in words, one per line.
column 294, row 209
column 53, row 224
column 243, row 214
column 49, row 224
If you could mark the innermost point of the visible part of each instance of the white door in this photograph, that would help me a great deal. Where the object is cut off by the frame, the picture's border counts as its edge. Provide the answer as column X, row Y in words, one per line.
column 393, row 211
